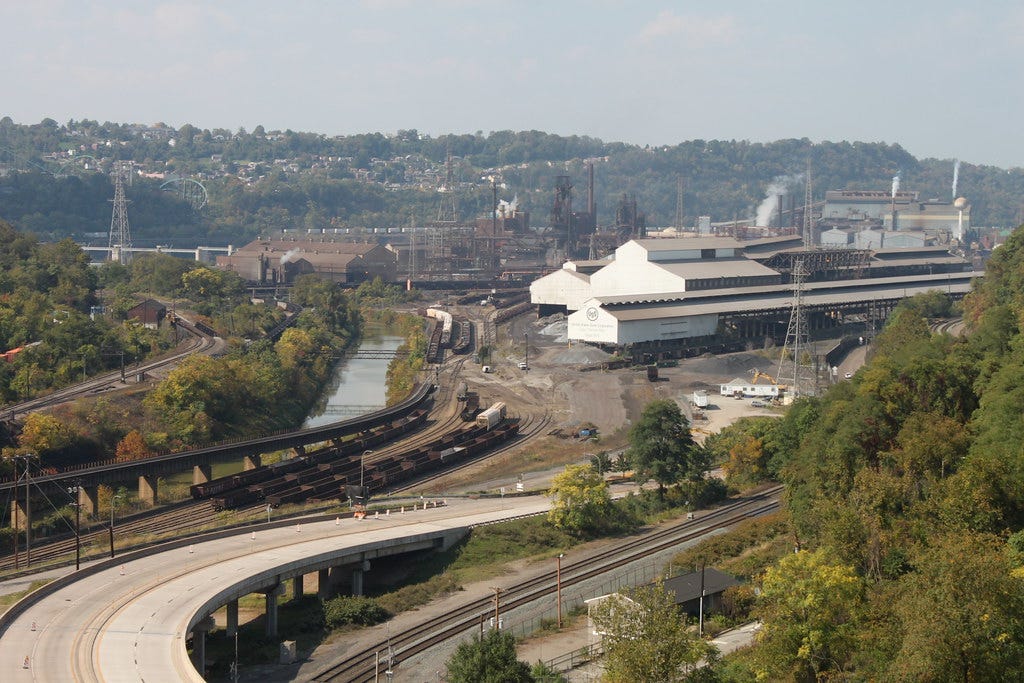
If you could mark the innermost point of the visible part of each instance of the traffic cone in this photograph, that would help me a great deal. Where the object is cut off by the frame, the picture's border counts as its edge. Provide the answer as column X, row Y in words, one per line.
column 298, row 528
column 191, row 550
column 337, row 521
column 122, row 570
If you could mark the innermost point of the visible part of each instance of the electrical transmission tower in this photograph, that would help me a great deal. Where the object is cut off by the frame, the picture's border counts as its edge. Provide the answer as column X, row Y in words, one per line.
column 679, row 204
column 442, row 233
column 798, row 376
column 808, row 209
column 448, row 211
column 120, row 233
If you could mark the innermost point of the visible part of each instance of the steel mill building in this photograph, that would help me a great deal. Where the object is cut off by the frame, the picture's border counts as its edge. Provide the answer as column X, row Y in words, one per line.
column 669, row 297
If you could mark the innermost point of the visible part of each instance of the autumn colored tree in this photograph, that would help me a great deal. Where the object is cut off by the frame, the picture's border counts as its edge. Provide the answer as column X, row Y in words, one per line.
column 962, row 613
column 581, row 502
column 809, row 608
column 44, row 435
column 132, row 447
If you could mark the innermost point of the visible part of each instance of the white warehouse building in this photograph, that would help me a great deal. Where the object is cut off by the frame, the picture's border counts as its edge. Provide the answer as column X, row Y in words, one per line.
column 660, row 290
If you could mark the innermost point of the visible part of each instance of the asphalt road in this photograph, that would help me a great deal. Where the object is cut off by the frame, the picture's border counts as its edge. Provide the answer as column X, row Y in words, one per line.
column 128, row 622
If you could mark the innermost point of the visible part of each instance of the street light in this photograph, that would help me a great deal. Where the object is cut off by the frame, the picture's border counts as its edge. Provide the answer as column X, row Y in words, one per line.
column 526, row 349
column 361, row 457
column 76, row 491
column 558, row 586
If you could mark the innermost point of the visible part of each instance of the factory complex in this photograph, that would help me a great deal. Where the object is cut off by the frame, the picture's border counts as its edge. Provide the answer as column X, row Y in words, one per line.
column 668, row 297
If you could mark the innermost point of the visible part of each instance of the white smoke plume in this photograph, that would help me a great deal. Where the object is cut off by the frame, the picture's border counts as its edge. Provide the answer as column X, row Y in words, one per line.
column 288, row 255
column 780, row 185
column 956, row 176
column 895, row 185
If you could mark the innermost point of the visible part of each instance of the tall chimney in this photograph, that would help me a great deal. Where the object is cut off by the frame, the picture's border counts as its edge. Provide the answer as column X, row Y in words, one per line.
column 591, row 209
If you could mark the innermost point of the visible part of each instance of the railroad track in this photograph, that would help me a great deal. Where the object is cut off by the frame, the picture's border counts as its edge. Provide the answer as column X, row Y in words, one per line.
column 530, row 427
column 106, row 381
column 96, row 542
column 360, row 667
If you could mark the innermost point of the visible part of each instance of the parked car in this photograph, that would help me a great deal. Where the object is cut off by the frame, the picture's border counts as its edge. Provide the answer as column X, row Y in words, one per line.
column 848, row 375
column 523, row 366
column 758, row 404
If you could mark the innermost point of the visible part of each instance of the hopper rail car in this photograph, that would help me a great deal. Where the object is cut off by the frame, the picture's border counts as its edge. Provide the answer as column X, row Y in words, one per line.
column 325, row 474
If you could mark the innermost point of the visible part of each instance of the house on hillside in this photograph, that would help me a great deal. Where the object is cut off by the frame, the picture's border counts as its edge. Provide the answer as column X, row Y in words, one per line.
column 150, row 313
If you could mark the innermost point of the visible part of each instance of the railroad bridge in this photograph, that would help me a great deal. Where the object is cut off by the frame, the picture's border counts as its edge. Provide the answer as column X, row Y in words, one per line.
column 148, row 471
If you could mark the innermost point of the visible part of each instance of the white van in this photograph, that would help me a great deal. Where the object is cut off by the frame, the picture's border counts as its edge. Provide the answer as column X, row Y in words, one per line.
column 523, row 366
column 486, row 368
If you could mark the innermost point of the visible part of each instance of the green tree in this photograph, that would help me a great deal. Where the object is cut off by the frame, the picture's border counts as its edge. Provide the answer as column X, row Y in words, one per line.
column 662, row 448
column 962, row 613
column 809, row 608
column 488, row 659
column 645, row 637
column 581, row 502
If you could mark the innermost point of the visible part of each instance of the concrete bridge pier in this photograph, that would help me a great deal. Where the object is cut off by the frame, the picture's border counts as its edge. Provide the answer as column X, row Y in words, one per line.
column 270, row 598
column 148, row 489
column 323, row 584
column 199, row 632
column 18, row 511
column 88, row 499
column 251, row 462
column 297, row 589
column 201, row 474
column 357, row 577
column 231, row 628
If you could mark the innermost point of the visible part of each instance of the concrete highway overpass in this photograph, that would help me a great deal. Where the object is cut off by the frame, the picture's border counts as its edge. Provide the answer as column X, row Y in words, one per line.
column 128, row 619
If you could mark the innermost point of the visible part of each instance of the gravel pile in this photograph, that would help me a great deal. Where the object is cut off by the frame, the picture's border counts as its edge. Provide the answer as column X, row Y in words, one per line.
column 731, row 365
column 580, row 354
column 555, row 326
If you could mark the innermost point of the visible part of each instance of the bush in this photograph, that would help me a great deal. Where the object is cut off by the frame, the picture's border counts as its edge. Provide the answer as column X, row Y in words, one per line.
column 345, row 610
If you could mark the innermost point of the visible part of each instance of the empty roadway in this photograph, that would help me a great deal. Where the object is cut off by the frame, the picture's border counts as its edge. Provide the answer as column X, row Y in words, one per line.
column 129, row 622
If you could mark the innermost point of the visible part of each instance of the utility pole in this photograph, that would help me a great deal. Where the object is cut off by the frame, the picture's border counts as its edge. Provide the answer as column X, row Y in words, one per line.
column 28, row 513
column 15, row 460
column 497, row 605
column 679, row 204
column 808, row 209
column 558, row 587
column 700, row 626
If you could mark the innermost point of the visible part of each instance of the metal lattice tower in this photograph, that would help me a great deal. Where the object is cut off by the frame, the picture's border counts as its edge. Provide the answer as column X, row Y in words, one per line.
column 120, row 232
column 448, row 211
column 808, row 209
column 792, row 370
column 679, row 203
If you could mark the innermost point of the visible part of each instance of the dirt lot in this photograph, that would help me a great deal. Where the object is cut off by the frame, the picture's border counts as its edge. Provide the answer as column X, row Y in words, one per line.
column 562, row 383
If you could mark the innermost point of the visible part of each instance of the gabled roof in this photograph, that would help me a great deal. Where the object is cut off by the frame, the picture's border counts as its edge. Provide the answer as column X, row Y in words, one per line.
column 686, row 587
column 680, row 243
column 309, row 245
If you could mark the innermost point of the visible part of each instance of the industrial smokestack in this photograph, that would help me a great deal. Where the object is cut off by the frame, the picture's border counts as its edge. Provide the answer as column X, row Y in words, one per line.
column 779, row 203
column 591, row 208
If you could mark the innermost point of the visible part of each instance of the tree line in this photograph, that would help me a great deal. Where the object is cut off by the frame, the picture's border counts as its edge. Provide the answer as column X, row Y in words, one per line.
column 377, row 181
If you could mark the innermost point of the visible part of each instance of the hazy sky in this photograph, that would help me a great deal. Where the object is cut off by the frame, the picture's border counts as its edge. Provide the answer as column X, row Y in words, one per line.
column 940, row 78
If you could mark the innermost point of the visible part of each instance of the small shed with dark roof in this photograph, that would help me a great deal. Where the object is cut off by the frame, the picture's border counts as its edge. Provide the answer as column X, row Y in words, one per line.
column 687, row 587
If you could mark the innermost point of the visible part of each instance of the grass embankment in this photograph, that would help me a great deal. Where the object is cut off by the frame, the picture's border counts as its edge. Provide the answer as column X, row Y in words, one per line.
column 10, row 598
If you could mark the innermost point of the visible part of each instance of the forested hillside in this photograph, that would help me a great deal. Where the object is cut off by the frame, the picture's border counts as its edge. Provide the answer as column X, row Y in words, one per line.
column 262, row 181
column 905, row 488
